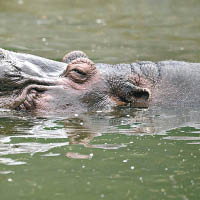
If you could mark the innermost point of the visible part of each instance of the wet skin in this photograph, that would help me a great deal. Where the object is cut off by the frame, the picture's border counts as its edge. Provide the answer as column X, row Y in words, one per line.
column 77, row 84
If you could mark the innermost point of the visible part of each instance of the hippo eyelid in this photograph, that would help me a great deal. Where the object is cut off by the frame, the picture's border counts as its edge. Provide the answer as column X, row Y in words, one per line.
column 79, row 72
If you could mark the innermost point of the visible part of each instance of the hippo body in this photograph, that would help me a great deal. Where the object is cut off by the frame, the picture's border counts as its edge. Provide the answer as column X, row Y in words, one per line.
column 77, row 84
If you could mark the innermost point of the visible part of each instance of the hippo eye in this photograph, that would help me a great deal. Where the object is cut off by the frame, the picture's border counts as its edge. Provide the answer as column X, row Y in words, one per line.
column 79, row 72
column 78, row 75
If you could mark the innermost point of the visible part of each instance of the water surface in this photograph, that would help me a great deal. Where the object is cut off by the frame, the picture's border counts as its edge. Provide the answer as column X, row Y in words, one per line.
column 125, row 154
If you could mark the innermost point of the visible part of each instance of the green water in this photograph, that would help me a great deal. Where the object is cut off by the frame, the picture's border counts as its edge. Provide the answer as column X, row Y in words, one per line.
column 125, row 154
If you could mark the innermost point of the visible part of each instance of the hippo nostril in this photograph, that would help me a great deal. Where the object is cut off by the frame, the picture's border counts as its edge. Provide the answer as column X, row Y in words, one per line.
column 143, row 94
column 136, row 92
column 131, row 94
column 140, row 98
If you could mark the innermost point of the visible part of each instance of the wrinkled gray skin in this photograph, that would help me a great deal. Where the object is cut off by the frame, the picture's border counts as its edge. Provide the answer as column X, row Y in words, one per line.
column 30, row 82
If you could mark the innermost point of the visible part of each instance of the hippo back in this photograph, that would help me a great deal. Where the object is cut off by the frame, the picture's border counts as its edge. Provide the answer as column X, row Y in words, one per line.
column 179, row 83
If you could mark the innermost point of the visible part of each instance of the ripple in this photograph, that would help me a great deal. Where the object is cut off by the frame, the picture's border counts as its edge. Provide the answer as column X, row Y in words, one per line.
column 9, row 161
column 194, row 143
column 29, row 147
column 181, row 138
column 106, row 146
column 7, row 172
column 50, row 154
column 76, row 155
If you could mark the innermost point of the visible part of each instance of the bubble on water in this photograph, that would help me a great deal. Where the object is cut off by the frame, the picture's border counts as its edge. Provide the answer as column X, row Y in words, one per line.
column 44, row 39
column 163, row 191
column 141, row 179
column 100, row 21
column 20, row 2
column 91, row 155
column 132, row 167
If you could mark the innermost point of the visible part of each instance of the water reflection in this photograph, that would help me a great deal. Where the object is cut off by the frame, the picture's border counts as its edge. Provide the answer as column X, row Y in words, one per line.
column 33, row 134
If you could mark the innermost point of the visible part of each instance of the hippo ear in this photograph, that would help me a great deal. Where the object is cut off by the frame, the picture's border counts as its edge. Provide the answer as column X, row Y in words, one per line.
column 73, row 55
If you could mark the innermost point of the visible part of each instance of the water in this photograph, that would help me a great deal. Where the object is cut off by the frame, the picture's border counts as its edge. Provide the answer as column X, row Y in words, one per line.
column 125, row 154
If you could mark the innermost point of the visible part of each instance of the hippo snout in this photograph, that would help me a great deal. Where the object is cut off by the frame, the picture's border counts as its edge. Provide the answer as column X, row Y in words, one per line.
column 129, row 93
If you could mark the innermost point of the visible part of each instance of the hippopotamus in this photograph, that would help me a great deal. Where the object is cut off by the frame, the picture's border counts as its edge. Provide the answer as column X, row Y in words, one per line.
column 33, row 83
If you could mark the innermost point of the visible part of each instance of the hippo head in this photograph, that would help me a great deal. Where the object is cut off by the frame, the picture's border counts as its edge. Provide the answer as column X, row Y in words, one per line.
column 89, row 86
column 84, row 86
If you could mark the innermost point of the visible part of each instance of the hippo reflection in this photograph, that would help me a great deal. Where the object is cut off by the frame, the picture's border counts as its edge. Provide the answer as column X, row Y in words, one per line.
column 77, row 84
